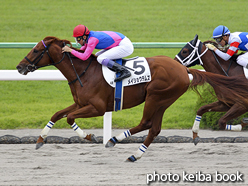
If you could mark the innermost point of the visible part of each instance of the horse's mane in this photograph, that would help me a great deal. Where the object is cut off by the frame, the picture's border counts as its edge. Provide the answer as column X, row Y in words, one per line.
column 53, row 39
column 223, row 49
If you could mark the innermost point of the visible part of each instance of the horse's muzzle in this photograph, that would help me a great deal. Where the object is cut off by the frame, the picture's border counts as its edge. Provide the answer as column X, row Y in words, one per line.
column 25, row 69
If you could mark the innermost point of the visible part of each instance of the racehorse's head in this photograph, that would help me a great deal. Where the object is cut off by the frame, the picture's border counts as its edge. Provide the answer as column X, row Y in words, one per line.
column 190, row 53
column 46, row 52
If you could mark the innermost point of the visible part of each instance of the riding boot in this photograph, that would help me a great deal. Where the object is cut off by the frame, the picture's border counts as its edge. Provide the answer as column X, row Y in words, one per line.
column 124, row 73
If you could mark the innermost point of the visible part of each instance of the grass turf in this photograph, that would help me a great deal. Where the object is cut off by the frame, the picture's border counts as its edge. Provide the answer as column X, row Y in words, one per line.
column 29, row 104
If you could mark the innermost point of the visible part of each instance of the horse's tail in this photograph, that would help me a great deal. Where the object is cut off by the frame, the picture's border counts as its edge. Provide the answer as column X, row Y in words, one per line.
column 228, row 89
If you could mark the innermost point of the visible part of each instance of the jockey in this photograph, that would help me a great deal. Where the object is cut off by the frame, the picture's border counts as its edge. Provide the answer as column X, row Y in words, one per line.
column 114, row 45
column 236, row 40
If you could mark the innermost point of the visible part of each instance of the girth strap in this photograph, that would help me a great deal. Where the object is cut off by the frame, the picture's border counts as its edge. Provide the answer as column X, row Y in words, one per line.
column 118, row 90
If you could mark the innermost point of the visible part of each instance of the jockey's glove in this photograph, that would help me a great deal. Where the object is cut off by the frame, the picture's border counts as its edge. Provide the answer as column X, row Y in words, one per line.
column 210, row 46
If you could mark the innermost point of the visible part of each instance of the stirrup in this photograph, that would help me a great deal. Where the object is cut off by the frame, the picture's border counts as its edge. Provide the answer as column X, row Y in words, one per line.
column 121, row 77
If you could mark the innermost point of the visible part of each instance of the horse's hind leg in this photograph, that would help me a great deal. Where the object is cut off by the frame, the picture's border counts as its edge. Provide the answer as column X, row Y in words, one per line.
column 153, row 132
column 244, row 122
column 144, row 124
column 235, row 111
column 152, row 119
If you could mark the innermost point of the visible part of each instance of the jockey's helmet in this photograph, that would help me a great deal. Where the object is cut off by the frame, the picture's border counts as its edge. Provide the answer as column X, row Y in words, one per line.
column 220, row 31
column 80, row 30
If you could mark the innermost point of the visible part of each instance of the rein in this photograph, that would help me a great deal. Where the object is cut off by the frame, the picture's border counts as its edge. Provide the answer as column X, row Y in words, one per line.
column 74, row 69
column 226, row 73
column 78, row 77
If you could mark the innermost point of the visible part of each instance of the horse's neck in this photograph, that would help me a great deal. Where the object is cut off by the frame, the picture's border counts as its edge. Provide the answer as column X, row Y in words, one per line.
column 230, row 67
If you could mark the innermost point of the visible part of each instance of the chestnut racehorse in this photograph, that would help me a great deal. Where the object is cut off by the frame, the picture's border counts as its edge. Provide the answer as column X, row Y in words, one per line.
column 196, row 53
column 169, row 80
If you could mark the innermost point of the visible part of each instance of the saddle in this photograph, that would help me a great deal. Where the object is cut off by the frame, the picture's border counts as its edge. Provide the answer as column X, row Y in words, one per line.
column 128, row 59
column 125, row 60
column 139, row 68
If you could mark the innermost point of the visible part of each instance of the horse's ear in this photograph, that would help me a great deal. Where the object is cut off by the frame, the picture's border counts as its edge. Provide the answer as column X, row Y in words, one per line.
column 195, row 40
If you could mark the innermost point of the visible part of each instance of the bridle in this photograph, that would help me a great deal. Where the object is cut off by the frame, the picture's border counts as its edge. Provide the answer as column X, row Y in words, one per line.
column 33, row 64
column 195, row 52
column 191, row 57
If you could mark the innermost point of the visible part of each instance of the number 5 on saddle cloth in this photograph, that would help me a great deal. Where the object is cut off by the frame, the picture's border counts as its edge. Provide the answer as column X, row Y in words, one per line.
column 140, row 73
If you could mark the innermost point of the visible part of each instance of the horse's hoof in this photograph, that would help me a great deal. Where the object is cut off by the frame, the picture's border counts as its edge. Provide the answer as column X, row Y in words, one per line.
column 39, row 145
column 196, row 140
column 245, row 120
column 93, row 138
column 131, row 159
column 109, row 144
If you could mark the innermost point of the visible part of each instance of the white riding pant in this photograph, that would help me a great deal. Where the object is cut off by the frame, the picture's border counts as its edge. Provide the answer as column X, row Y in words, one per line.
column 243, row 60
column 124, row 49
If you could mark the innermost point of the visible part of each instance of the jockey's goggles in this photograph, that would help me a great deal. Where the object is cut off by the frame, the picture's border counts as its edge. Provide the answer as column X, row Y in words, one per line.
column 77, row 39
column 218, row 40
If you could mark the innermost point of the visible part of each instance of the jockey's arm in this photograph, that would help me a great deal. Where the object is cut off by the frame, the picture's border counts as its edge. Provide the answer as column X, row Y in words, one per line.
column 232, row 50
column 88, row 50
column 223, row 55
column 84, row 47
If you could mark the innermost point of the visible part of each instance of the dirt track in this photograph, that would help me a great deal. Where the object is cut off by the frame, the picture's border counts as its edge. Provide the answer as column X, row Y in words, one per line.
column 92, row 164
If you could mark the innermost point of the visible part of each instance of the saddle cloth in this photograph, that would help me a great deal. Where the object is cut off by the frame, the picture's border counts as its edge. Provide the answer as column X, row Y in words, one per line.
column 140, row 73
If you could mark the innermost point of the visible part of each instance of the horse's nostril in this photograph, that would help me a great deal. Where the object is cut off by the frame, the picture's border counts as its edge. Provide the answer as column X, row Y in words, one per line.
column 19, row 67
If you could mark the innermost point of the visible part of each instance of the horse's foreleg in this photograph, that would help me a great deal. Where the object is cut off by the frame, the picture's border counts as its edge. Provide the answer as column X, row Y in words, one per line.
column 57, row 116
column 84, row 112
column 43, row 134
column 195, row 129
column 212, row 107
column 82, row 134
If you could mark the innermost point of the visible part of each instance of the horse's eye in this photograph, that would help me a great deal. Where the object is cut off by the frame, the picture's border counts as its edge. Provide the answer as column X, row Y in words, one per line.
column 36, row 51
column 184, row 52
